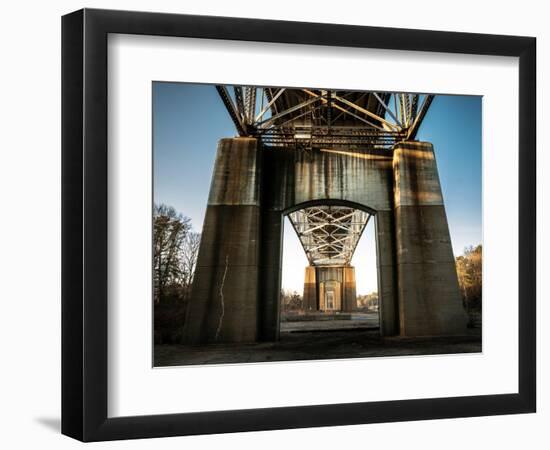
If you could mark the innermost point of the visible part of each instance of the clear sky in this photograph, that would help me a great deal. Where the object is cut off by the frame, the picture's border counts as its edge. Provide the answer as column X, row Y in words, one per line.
column 189, row 119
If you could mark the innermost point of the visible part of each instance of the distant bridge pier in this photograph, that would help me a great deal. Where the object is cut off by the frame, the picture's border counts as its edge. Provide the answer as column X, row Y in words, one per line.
column 310, row 296
column 330, row 289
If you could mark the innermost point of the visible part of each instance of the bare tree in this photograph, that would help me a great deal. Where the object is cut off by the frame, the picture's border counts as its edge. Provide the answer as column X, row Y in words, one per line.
column 469, row 271
column 291, row 301
column 169, row 231
column 189, row 255
column 368, row 302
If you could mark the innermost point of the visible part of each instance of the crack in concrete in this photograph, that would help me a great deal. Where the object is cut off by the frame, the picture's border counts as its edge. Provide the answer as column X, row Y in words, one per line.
column 220, row 321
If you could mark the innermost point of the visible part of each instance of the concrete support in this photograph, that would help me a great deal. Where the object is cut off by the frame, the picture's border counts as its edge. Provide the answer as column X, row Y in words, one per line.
column 330, row 289
column 329, row 282
column 387, row 276
column 429, row 298
column 224, row 300
column 349, row 297
column 236, row 290
column 310, row 289
column 330, row 296
column 269, row 294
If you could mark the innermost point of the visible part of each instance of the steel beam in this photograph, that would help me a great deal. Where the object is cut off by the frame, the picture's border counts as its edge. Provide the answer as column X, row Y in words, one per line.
column 231, row 109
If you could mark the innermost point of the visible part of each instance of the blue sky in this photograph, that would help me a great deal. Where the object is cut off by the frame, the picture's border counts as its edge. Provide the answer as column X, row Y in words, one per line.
column 189, row 119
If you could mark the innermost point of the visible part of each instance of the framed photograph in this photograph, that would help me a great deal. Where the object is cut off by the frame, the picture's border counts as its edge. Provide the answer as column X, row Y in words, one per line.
column 274, row 225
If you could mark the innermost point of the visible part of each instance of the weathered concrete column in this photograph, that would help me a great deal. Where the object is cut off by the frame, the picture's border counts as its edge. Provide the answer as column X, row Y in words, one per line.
column 429, row 298
column 224, row 300
column 310, row 289
column 349, row 302
column 269, row 292
column 387, row 273
column 329, row 285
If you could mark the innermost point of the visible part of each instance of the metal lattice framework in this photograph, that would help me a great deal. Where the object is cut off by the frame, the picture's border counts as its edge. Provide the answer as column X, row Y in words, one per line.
column 316, row 117
column 329, row 234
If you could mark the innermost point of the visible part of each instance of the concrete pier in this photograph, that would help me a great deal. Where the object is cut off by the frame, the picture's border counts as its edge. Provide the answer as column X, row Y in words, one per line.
column 349, row 291
column 224, row 301
column 310, row 290
column 387, row 273
column 330, row 289
column 236, row 292
column 429, row 298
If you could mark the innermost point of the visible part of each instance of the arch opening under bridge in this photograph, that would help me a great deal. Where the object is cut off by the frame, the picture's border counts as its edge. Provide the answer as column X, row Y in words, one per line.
column 332, row 237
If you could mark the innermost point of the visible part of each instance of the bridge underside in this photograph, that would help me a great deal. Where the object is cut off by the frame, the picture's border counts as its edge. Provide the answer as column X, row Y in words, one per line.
column 330, row 160
column 329, row 235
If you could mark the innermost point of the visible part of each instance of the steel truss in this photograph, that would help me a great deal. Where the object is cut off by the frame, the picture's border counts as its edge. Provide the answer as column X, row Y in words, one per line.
column 329, row 234
column 319, row 117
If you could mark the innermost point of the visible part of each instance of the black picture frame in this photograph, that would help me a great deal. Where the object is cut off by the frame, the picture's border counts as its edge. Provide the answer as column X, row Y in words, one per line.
column 84, row 224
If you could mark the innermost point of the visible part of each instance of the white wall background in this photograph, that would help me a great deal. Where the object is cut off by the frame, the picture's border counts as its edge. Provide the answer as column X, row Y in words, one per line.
column 30, row 225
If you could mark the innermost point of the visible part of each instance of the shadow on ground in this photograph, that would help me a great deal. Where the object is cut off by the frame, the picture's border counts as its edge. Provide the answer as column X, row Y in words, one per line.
column 52, row 423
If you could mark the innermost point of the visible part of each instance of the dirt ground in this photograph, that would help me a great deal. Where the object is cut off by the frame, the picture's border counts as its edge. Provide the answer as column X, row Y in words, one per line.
column 352, row 321
column 320, row 341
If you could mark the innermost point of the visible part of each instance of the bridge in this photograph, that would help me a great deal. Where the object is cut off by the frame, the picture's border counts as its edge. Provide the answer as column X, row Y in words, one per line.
column 329, row 160
column 329, row 235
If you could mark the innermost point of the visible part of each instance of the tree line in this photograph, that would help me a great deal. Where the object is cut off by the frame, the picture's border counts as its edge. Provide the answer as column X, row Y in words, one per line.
column 368, row 302
column 469, row 271
column 291, row 301
column 175, row 252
